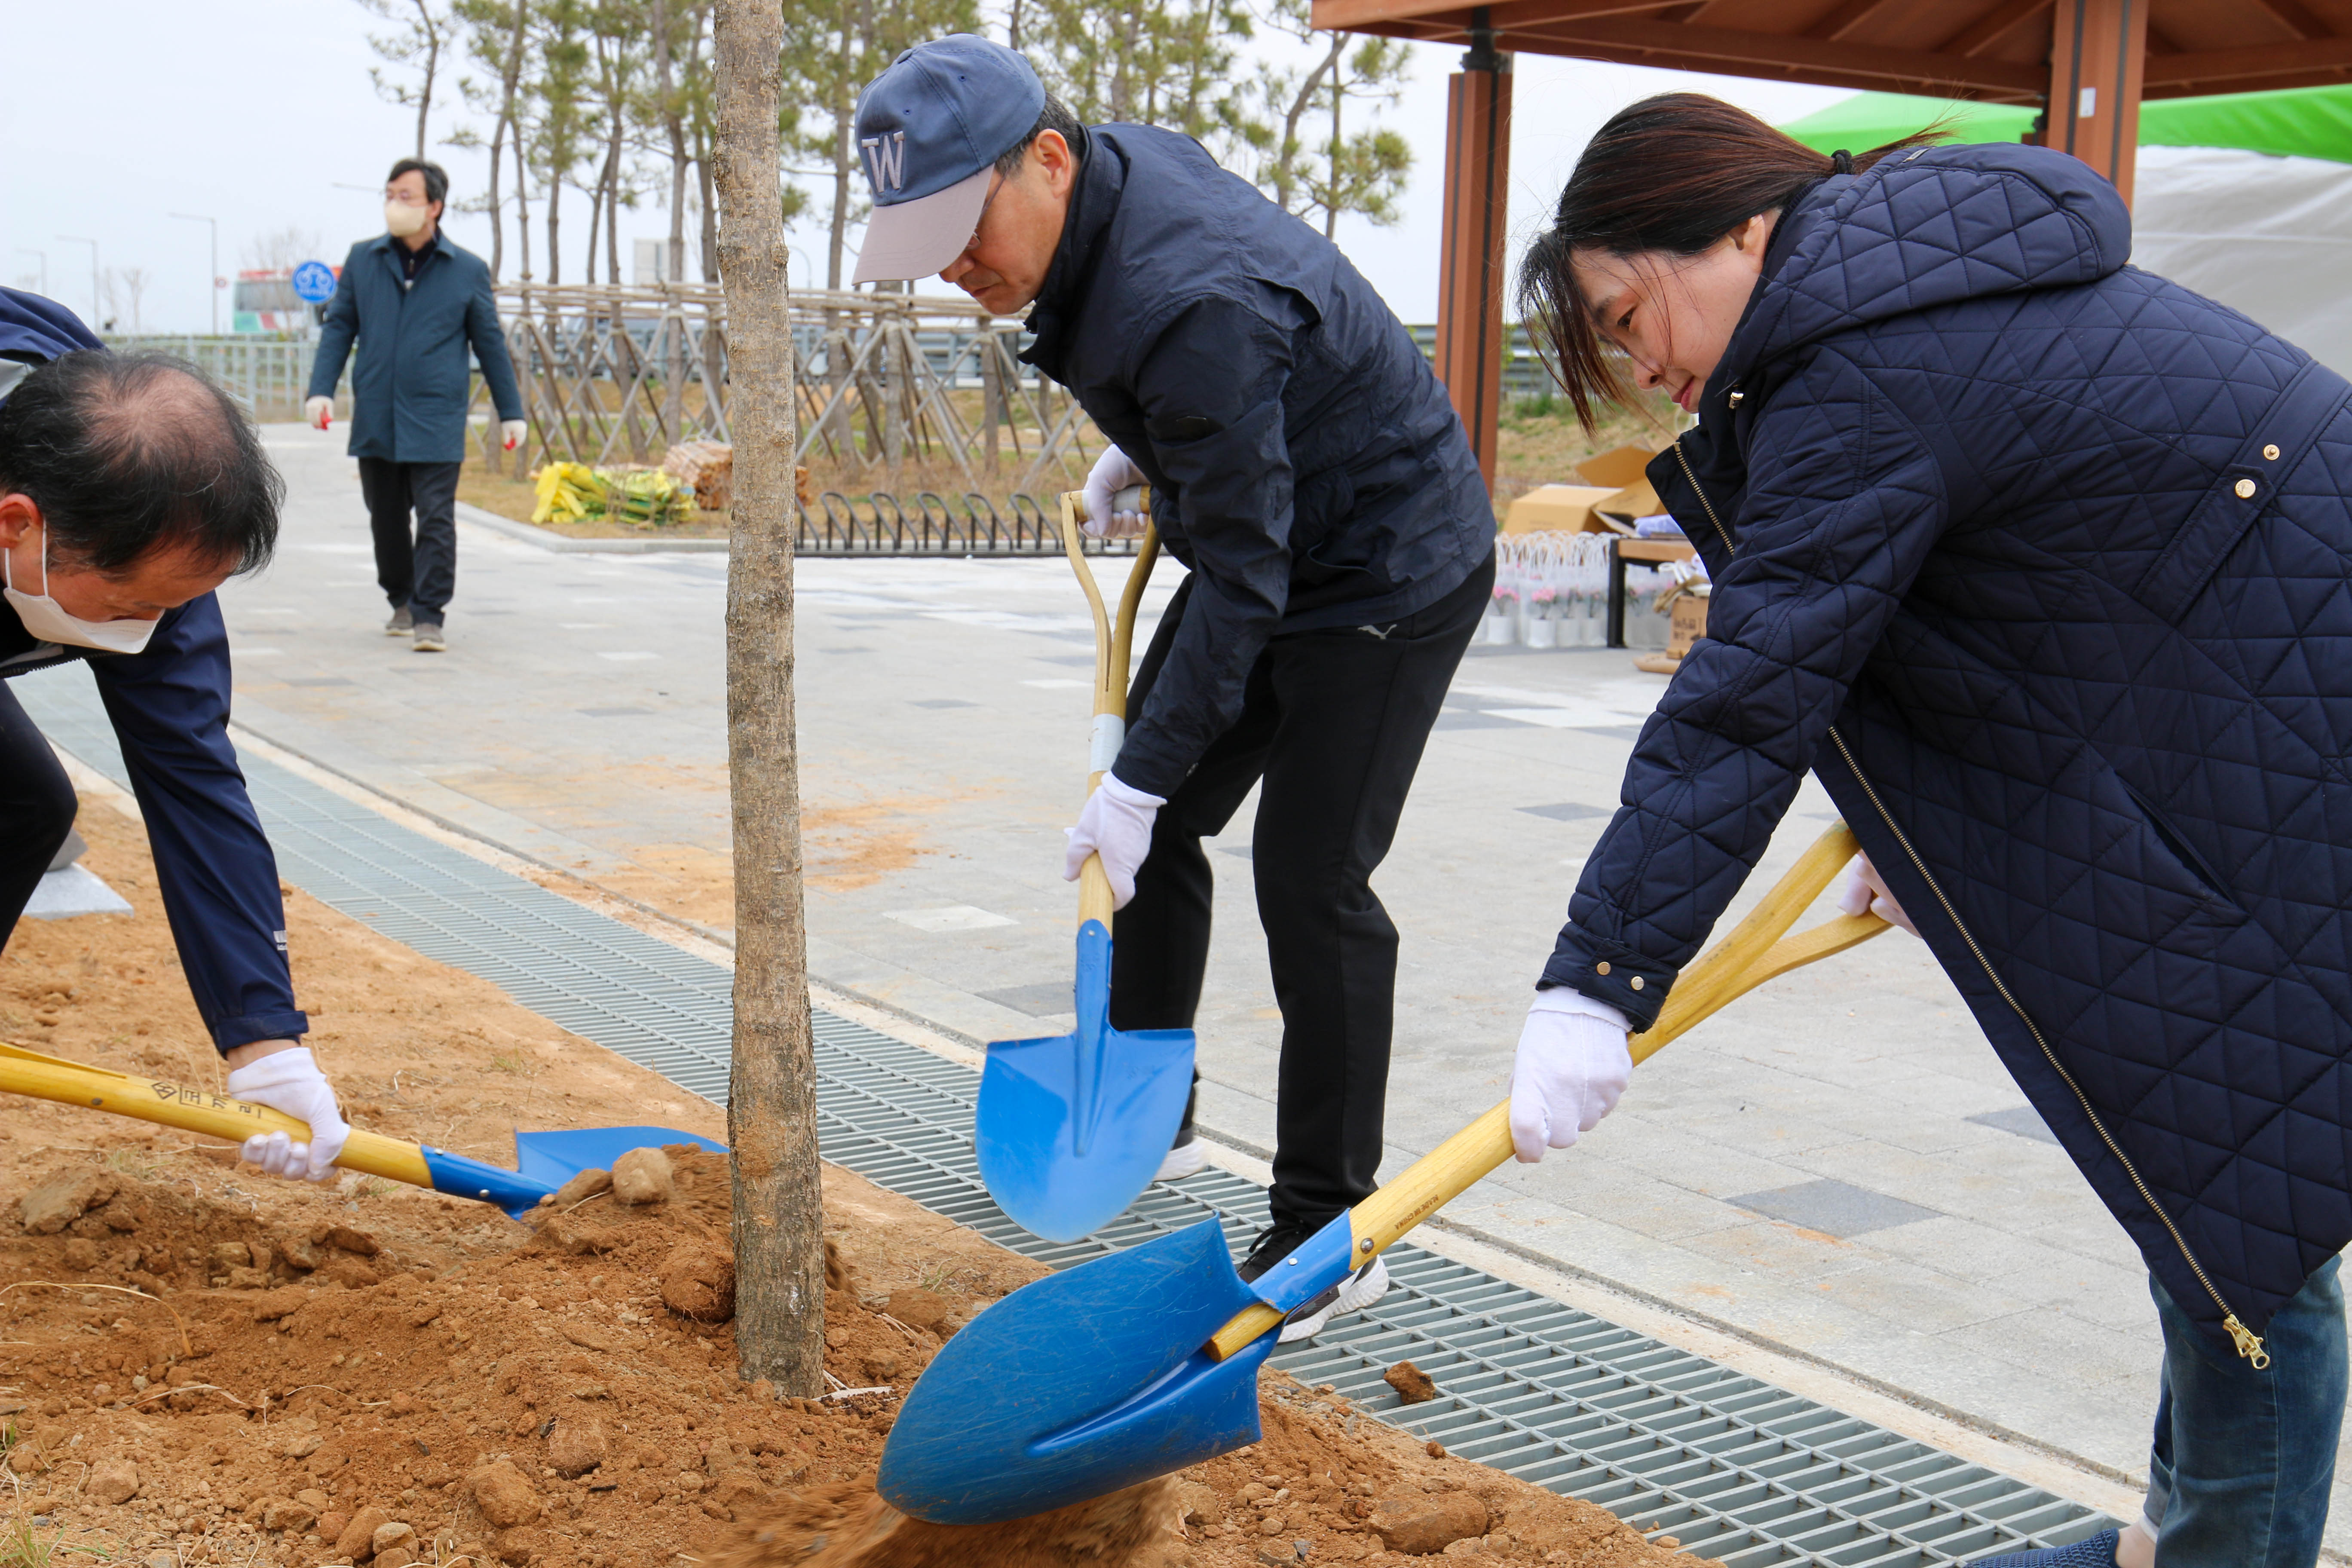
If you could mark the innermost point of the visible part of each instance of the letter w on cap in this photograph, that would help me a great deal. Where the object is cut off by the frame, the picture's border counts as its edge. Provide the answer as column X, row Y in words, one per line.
column 885, row 160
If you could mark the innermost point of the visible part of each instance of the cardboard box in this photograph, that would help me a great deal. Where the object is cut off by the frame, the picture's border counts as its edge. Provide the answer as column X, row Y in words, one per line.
column 1636, row 500
column 1615, row 469
column 1686, row 622
column 1567, row 508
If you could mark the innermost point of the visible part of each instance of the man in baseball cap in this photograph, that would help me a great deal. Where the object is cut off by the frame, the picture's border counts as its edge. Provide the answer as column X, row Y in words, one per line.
column 1306, row 467
column 929, row 131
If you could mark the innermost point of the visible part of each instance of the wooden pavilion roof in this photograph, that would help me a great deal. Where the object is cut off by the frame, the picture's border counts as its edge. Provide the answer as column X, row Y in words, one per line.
column 1996, row 50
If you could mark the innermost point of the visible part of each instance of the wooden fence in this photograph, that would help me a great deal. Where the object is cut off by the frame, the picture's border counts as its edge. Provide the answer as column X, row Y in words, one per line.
column 886, row 385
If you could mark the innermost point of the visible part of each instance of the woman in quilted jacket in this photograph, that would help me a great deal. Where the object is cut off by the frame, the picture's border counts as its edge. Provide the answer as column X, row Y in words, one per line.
column 2043, row 567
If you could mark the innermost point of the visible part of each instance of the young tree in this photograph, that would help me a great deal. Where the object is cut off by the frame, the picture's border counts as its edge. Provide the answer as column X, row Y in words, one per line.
column 124, row 287
column 1310, row 173
column 560, row 137
column 772, row 1103
column 495, row 33
column 421, row 30
column 282, row 249
column 832, row 49
column 1169, row 64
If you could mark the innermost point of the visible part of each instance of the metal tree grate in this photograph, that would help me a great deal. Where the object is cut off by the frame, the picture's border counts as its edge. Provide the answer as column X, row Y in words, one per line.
column 1733, row 1468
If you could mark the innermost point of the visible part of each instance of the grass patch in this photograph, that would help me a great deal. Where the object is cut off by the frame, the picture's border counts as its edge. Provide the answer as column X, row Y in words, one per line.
column 510, row 1061
column 24, row 1544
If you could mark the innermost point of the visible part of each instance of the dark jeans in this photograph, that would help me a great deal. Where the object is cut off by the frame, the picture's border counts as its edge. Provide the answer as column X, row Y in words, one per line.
column 36, row 806
column 2243, row 1460
column 1333, row 722
column 422, row 575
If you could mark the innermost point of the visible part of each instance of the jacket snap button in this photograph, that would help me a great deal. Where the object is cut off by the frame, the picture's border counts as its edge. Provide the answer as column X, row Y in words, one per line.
column 1602, row 967
column 1733, row 401
column 2270, row 453
column 1635, row 982
column 2245, row 488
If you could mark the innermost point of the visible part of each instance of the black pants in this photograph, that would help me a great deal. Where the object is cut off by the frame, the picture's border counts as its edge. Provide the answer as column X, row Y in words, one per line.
column 1334, row 724
column 37, row 810
column 422, row 575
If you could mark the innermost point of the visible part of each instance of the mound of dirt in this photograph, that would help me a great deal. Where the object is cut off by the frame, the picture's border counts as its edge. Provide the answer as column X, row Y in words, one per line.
column 201, row 1365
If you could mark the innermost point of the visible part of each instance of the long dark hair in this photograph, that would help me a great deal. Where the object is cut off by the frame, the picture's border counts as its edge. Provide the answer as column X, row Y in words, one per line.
column 1671, row 174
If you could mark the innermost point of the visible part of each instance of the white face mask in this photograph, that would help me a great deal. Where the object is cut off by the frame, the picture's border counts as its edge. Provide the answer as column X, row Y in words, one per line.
column 403, row 221
column 47, row 620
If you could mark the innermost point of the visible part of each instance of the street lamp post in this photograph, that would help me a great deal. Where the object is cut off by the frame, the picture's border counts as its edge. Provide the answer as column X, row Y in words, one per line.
column 28, row 250
column 212, row 278
column 97, row 305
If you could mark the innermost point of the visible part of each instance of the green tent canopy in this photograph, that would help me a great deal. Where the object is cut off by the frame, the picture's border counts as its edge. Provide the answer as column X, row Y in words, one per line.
column 2309, row 122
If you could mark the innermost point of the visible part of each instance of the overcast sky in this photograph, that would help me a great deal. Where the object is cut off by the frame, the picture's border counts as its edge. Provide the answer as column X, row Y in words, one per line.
column 260, row 112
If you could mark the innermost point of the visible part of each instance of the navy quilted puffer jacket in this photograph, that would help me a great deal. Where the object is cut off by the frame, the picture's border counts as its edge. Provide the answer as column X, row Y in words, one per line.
column 2044, row 567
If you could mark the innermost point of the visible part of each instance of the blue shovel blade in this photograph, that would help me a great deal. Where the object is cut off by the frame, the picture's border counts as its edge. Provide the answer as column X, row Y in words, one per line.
column 545, row 1160
column 556, row 1157
column 1071, row 1127
column 1084, row 1382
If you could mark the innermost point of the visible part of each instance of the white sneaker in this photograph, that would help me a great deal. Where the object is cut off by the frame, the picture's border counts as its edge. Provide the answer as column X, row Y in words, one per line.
column 1353, row 1294
column 1184, row 1158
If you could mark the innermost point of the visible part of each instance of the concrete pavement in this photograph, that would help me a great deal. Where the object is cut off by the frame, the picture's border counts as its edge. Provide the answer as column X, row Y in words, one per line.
column 1838, row 1168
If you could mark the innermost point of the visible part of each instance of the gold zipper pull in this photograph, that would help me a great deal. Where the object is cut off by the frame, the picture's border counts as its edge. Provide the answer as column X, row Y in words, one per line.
column 2249, row 1343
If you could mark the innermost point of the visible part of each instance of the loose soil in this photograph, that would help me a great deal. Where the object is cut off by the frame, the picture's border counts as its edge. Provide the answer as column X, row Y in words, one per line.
column 199, row 1365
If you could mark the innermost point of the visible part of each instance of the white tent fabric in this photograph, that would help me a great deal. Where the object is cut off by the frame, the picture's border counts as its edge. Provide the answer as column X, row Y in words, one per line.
column 2266, row 236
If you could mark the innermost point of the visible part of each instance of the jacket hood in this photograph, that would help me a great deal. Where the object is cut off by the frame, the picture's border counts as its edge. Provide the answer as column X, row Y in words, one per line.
column 1931, row 226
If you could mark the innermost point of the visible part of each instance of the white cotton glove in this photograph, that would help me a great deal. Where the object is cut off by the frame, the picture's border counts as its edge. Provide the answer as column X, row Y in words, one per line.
column 319, row 412
column 290, row 1081
column 512, row 432
column 1572, row 1065
column 1112, row 473
column 1117, row 825
column 1863, row 889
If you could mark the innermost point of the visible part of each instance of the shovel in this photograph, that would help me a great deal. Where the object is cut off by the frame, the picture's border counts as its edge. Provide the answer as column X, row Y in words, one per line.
column 1070, row 1128
column 1145, row 1362
column 548, row 1159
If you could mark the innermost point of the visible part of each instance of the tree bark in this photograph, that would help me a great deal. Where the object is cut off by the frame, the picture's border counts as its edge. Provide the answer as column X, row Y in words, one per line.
column 771, row 1105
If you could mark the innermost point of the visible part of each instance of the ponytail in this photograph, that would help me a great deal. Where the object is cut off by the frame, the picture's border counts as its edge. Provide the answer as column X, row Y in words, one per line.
column 1670, row 175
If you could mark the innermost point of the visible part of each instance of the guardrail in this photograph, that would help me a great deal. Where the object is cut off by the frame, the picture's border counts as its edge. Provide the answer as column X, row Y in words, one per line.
column 885, row 526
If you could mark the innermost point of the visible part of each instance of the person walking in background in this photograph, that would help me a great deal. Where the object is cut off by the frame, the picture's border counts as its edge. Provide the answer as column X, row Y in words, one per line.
column 416, row 303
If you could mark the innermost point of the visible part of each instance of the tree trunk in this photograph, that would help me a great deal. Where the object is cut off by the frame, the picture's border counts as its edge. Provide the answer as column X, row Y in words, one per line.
column 771, row 1104
column 554, row 225
column 430, row 26
column 522, row 199
column 595, row 221
column 509, row 75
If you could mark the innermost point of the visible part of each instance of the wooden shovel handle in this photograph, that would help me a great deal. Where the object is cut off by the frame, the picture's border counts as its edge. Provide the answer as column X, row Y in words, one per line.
column 1742, row 961
column 193, row 1109
column 1114, row 644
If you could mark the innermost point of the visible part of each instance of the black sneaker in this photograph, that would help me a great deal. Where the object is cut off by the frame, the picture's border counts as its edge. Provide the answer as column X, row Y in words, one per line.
column 2096, row 1552
column 1353, row 1294
column 402, row 623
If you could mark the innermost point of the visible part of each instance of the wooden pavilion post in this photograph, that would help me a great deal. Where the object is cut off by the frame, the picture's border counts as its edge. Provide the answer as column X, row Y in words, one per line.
column 2098, row 51
column 1471, row 271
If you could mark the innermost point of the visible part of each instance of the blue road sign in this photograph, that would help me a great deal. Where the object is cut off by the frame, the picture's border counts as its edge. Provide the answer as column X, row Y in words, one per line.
column 314, row 281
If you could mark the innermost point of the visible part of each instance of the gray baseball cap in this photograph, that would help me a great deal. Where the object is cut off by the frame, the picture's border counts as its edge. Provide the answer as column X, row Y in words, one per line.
column 928, row 131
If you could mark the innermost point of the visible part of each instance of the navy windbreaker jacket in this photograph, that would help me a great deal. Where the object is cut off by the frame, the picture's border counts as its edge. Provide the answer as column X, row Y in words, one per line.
column 409, row 388
column 2045, row 565
column 1305, row 463
column 170, row 707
